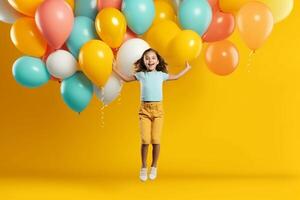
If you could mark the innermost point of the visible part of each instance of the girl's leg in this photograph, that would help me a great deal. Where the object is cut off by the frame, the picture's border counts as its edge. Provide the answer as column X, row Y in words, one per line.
column 144, row 152
column 155, row 154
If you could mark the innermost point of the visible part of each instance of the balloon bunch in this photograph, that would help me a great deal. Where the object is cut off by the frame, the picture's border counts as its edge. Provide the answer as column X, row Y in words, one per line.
column 76, row 41
column 253, row 19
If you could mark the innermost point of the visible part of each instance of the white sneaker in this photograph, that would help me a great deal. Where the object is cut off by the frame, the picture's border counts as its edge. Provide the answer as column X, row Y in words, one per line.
column 143, row 174
column 153, row 173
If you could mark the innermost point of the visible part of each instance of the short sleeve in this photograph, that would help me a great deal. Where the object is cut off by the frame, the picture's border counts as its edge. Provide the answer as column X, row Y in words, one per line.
column 138, row 75
column 165, row 76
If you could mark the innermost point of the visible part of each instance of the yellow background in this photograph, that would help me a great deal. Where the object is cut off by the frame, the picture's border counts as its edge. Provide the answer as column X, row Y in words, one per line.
column 243, row 124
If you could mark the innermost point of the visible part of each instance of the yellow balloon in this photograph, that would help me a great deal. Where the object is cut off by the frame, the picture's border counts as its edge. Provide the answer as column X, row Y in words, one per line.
column 185, row 46
column 71, row 3
column 255, row 23
column 27, row 38
column 111, row 26
column 95, row 60
column 163, row 11
column 160, row 35
column 231, row 6
column 280, row 8
column 27, row 7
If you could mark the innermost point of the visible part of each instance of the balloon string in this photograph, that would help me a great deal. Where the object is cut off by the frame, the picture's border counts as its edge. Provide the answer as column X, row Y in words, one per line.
column 102, row 115
column 119, row 99
column 102, row 94
column 102, row 107
column 250, row 58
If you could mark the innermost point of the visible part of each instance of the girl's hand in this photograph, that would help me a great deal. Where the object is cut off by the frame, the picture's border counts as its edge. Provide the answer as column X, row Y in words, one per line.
column 180, row 74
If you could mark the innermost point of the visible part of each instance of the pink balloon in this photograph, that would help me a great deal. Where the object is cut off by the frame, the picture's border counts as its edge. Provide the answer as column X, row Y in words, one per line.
column 109, row 3
column 54, row 18
column 221, row 27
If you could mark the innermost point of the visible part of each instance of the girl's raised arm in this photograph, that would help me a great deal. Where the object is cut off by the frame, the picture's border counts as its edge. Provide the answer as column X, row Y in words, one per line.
column 122, row 76
column 180, row 74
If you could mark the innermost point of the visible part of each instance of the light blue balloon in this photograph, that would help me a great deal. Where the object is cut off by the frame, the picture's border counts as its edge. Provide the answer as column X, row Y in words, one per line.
column 86, row 8
column 30, row 72
column 195, row 15
column 139, row 14
column 82, row 32
column 77, row 91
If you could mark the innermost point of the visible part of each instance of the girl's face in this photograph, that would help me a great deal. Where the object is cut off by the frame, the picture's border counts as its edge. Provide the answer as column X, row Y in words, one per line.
column 151, row 60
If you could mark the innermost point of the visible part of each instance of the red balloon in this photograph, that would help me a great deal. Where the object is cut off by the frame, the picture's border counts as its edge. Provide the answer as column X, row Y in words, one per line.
column 129, row 35
column 214, row 4
column 115, row 51
column 222, row 57
column 109, row 3
column 52, row 78
column 51, row 50
column 54, row 19
column 221, row 27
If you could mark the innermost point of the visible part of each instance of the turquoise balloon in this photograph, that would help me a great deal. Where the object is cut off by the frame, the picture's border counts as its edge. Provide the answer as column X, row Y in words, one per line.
column 86, row 8
column 139, row 14
column 195, row 15
column 82, row 32
column 77, row 91
column 30, row 72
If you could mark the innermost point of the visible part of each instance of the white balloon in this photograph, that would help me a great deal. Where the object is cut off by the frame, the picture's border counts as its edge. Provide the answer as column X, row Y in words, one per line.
column 110, row 91
column 61, row 64
column 7, row 13
column 129, row 53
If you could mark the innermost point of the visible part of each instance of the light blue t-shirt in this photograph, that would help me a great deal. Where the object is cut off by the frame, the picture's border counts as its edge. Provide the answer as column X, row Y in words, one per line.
column 151, row 84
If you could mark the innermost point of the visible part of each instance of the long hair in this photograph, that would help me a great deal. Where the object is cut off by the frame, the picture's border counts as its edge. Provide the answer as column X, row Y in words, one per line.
column 141, row 67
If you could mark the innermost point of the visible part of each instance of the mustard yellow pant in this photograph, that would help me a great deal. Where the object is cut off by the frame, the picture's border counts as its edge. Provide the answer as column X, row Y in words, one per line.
column 151, row 122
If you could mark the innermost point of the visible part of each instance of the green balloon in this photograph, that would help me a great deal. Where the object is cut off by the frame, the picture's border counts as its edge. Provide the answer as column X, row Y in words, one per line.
column 77, row 91
column 30, row 72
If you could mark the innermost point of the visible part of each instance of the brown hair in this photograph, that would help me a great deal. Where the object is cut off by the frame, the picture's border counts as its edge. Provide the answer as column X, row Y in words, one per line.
column 141, row 67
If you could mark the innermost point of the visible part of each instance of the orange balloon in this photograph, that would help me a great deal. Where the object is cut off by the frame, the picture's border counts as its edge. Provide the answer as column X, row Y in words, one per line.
column 27, row 38
column 222, row 57
column 27, row 7
column 255, row 23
